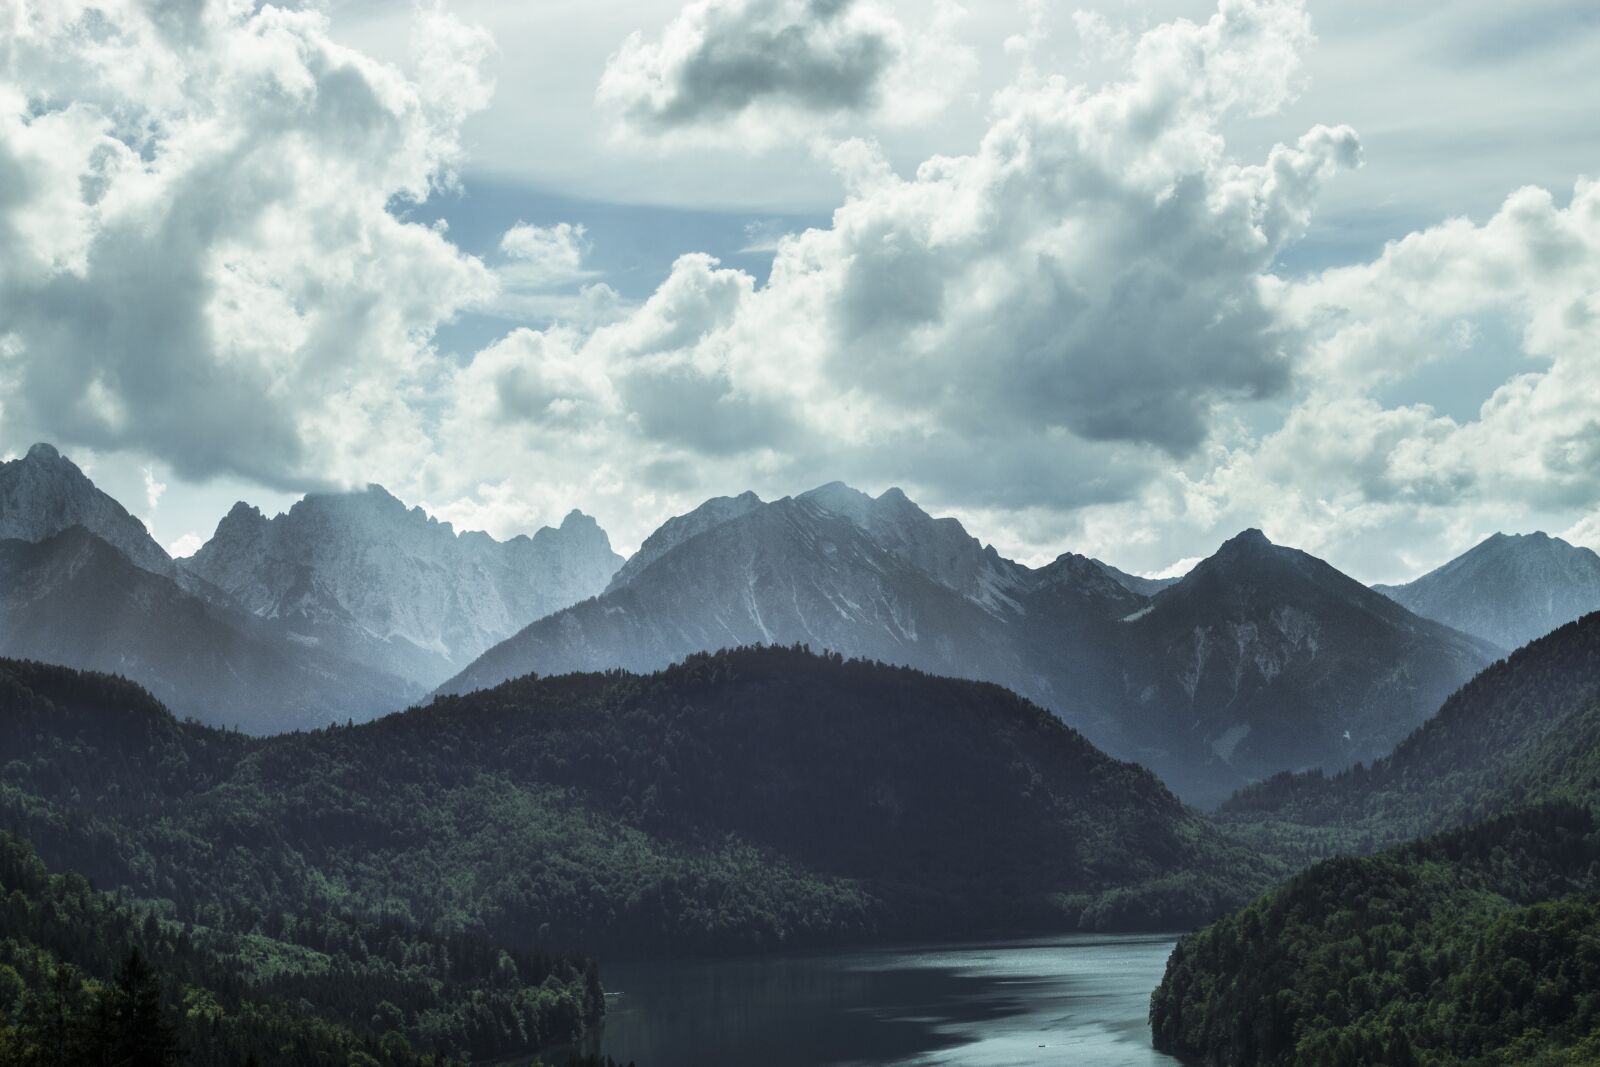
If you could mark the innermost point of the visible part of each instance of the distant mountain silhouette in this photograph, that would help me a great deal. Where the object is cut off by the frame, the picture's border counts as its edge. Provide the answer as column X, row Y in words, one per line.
column 44, row 493
column 1264, row 658
column 347, row 606
column 74, row 599
column 1509, row 589
column 1526, row 729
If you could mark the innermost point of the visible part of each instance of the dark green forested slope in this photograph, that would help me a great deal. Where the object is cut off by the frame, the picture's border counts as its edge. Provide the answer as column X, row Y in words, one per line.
column 746, row 799
column 1526, row 728
column 1477, row 946
column 85, row 979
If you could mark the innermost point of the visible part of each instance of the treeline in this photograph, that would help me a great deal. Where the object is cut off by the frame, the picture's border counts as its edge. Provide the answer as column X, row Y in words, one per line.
column 87, row 979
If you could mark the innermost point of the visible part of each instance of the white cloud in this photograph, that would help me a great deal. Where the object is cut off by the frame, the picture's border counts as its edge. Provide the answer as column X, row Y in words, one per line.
column 544, row 275
column 1072, row 335
column 1175, row 570
column 153, row 489
column 550, row 254
column 1391, row 490
column 752, row 69
column 186, row 545
column 197, row 259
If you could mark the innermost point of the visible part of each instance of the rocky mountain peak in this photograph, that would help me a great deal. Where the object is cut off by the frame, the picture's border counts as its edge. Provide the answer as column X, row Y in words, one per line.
column 391, row 586
column 1508, row 588
column 680, row 528
column 1247, row 540
column 44, row 492
column 840, row 499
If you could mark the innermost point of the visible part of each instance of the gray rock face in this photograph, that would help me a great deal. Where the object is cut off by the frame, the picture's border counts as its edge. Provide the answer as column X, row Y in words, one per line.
column 363, row 575
column 680, row 528
column 1510, row 589
column 44, row 493
column 797, row 570
column 1262, row 659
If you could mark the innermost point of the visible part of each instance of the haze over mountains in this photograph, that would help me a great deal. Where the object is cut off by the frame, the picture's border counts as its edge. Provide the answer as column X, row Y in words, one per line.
column 389, row 587
column 1509, row 589
column 1270, row 657
column 73, row 598
column 348, row 606
column 1524, row 730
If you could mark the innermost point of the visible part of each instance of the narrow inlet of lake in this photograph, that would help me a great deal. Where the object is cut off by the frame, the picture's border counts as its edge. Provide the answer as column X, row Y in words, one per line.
column 1062, row 1000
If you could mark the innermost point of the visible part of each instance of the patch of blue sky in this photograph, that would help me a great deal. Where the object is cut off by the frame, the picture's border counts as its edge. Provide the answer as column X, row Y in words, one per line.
column 629, row 247
column 1474, row 357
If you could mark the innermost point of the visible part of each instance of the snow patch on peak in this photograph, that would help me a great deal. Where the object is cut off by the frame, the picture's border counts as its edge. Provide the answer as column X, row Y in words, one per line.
column 840, row 499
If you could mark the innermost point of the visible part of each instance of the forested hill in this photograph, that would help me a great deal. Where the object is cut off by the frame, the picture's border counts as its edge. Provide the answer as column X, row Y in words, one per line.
column 746, row 799
column 1526, row 728
column 1479, row 946
column 1476, row 946
column 85, row 979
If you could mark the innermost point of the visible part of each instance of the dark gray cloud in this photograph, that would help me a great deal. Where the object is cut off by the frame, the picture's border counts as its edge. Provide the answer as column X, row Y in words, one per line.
column 720, row 59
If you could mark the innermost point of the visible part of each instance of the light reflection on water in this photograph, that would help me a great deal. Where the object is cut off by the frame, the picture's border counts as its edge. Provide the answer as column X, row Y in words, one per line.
column 1064, row 1000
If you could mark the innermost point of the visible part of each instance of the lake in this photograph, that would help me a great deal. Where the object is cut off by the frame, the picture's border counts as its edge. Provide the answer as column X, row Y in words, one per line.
column 1060, row 1000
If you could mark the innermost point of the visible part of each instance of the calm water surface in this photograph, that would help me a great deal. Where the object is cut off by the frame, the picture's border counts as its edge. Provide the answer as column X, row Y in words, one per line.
column 1065, row 1000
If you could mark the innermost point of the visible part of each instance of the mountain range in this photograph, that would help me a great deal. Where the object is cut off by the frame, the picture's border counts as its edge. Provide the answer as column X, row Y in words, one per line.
column 393, row 589
column 1260, row 659
column 74, row 598
column 346, row 607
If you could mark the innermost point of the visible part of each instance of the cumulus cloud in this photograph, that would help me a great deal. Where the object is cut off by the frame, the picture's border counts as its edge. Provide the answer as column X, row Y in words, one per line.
column 550, row 254
column 545, row 278
column 154, row 489
column 198, row 259
column 1072, row 336
column 1393, row 489
column 1043, row 322
column 186, row 545
column 721, row 61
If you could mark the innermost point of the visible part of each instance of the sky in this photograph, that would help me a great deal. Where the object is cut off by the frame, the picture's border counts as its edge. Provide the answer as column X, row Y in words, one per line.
column 1118, row 278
